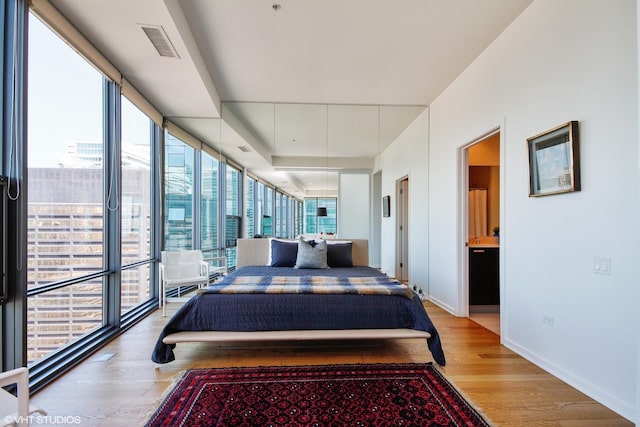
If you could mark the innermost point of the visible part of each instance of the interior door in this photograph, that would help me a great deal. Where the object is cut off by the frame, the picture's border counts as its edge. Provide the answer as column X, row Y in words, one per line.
column 402, row 267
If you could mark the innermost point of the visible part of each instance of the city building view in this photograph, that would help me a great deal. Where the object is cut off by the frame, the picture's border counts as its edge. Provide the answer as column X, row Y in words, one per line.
column 65, row 236
column 65, row 233
column 95, row 227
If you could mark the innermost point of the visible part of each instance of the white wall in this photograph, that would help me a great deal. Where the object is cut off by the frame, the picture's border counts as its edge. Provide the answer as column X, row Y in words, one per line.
column 559, row 61
column 354, row 200
column 376, row 219
column 408, row 157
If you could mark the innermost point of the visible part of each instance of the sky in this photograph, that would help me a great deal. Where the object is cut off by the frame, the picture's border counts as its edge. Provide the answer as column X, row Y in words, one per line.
column 64, row 100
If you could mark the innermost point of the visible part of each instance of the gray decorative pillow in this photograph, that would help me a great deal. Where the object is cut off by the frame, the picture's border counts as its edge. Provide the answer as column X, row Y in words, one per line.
column 311, row 256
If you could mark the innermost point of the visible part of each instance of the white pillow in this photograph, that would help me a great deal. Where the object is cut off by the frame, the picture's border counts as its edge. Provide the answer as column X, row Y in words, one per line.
column 331, row 241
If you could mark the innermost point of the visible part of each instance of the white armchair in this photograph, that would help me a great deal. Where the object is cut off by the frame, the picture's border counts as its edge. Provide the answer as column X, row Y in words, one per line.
column 16, row 410
column 181, row 268
column 218, row 265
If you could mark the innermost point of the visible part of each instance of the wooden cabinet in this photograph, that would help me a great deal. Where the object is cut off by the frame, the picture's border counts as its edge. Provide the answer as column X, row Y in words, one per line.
column 484, row 279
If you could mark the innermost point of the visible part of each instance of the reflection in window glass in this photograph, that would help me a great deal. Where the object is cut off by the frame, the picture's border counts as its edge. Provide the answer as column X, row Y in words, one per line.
column 299, row 226
column 136, row 202
column 320, row 224
column 209, row 206
column 178, row 222
column 260, row 207
column 233, row 191
column 279, row 216
column 234, row 203
column 295, row 218
column 286, row 216
column 251, row 206
column 267, row 220
column 310, row 223
column 65, row 195
column 328, row 224
column 136, row 283
column 289, row 220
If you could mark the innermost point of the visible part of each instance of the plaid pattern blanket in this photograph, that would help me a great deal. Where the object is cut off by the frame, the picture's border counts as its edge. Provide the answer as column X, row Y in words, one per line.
column 309, row 285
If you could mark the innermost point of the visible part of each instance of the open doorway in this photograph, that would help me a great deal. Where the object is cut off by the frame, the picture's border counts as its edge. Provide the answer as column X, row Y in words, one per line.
column 483, row 231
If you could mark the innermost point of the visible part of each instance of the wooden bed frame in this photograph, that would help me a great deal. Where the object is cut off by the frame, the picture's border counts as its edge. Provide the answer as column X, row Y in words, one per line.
column 256, row 252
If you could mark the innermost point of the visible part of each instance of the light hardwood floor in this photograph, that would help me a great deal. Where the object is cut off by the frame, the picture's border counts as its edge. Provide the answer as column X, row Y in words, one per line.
column 125, row 389
column 490, row 321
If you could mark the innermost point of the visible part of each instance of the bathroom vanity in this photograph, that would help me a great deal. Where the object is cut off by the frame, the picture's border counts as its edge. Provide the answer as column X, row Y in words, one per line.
column 484, row 279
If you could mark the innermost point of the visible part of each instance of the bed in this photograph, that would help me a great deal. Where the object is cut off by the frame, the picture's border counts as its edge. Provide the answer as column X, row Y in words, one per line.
column 266, row 299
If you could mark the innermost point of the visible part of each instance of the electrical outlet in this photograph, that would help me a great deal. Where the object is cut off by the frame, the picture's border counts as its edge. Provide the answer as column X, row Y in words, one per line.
column 548, row 319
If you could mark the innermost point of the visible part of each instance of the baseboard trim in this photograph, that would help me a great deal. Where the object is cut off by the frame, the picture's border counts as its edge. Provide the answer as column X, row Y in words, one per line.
column 624, row 409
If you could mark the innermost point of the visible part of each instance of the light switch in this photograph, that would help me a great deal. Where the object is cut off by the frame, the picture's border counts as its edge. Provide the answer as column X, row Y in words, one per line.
column 602, row 265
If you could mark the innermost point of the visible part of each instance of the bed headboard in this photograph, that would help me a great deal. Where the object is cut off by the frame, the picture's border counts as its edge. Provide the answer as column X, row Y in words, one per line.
column 256, row 252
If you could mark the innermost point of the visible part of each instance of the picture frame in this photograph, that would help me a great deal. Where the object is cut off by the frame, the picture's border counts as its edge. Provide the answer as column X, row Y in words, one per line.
column 386, row 206
column 554, row 161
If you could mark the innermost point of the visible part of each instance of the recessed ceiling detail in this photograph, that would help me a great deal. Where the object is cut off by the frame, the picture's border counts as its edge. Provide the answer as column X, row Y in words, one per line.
column 268, row 73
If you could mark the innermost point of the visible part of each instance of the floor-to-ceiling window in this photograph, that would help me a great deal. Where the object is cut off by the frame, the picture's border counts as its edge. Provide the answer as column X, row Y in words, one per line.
column 137, row 140
column 298, row 222
column 279, row 214
column 329, row 223
column 92, row 211
column 209, row 206
column 216, row 194
column 178, row 178
column 320, row 224
column 250, row 212
column 286, row 229
column 291, row 217
column 260, row 208
column 66, row 230
column 90, row 226
column 233, row 212
column 260, row 212
column 310, row 219
column 267, row 216
column 288, row 223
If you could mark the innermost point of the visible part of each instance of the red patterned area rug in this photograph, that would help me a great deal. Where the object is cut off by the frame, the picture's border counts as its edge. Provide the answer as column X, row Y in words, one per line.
column 331, row 395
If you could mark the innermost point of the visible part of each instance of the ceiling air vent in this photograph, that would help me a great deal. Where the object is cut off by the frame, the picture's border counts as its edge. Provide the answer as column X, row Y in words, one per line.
column 244, row 148
column 160, row 40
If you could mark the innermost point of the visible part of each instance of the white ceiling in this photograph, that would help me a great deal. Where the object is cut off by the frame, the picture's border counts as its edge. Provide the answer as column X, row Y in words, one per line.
column 315, row 85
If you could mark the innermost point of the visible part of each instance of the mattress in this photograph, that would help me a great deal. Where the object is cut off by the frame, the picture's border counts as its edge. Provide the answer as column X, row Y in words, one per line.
column 256, row 312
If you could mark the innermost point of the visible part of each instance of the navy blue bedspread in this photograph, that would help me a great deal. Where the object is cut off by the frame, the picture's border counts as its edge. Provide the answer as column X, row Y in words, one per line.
column 269, row 312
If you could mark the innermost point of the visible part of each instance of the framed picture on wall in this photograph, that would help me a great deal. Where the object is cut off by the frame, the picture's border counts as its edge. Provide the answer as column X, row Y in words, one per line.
column 554, row 161
column 386, row 206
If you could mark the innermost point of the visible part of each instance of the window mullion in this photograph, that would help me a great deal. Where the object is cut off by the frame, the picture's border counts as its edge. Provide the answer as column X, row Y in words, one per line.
column 13, row 317
column 157, row 195
column 113, row 197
